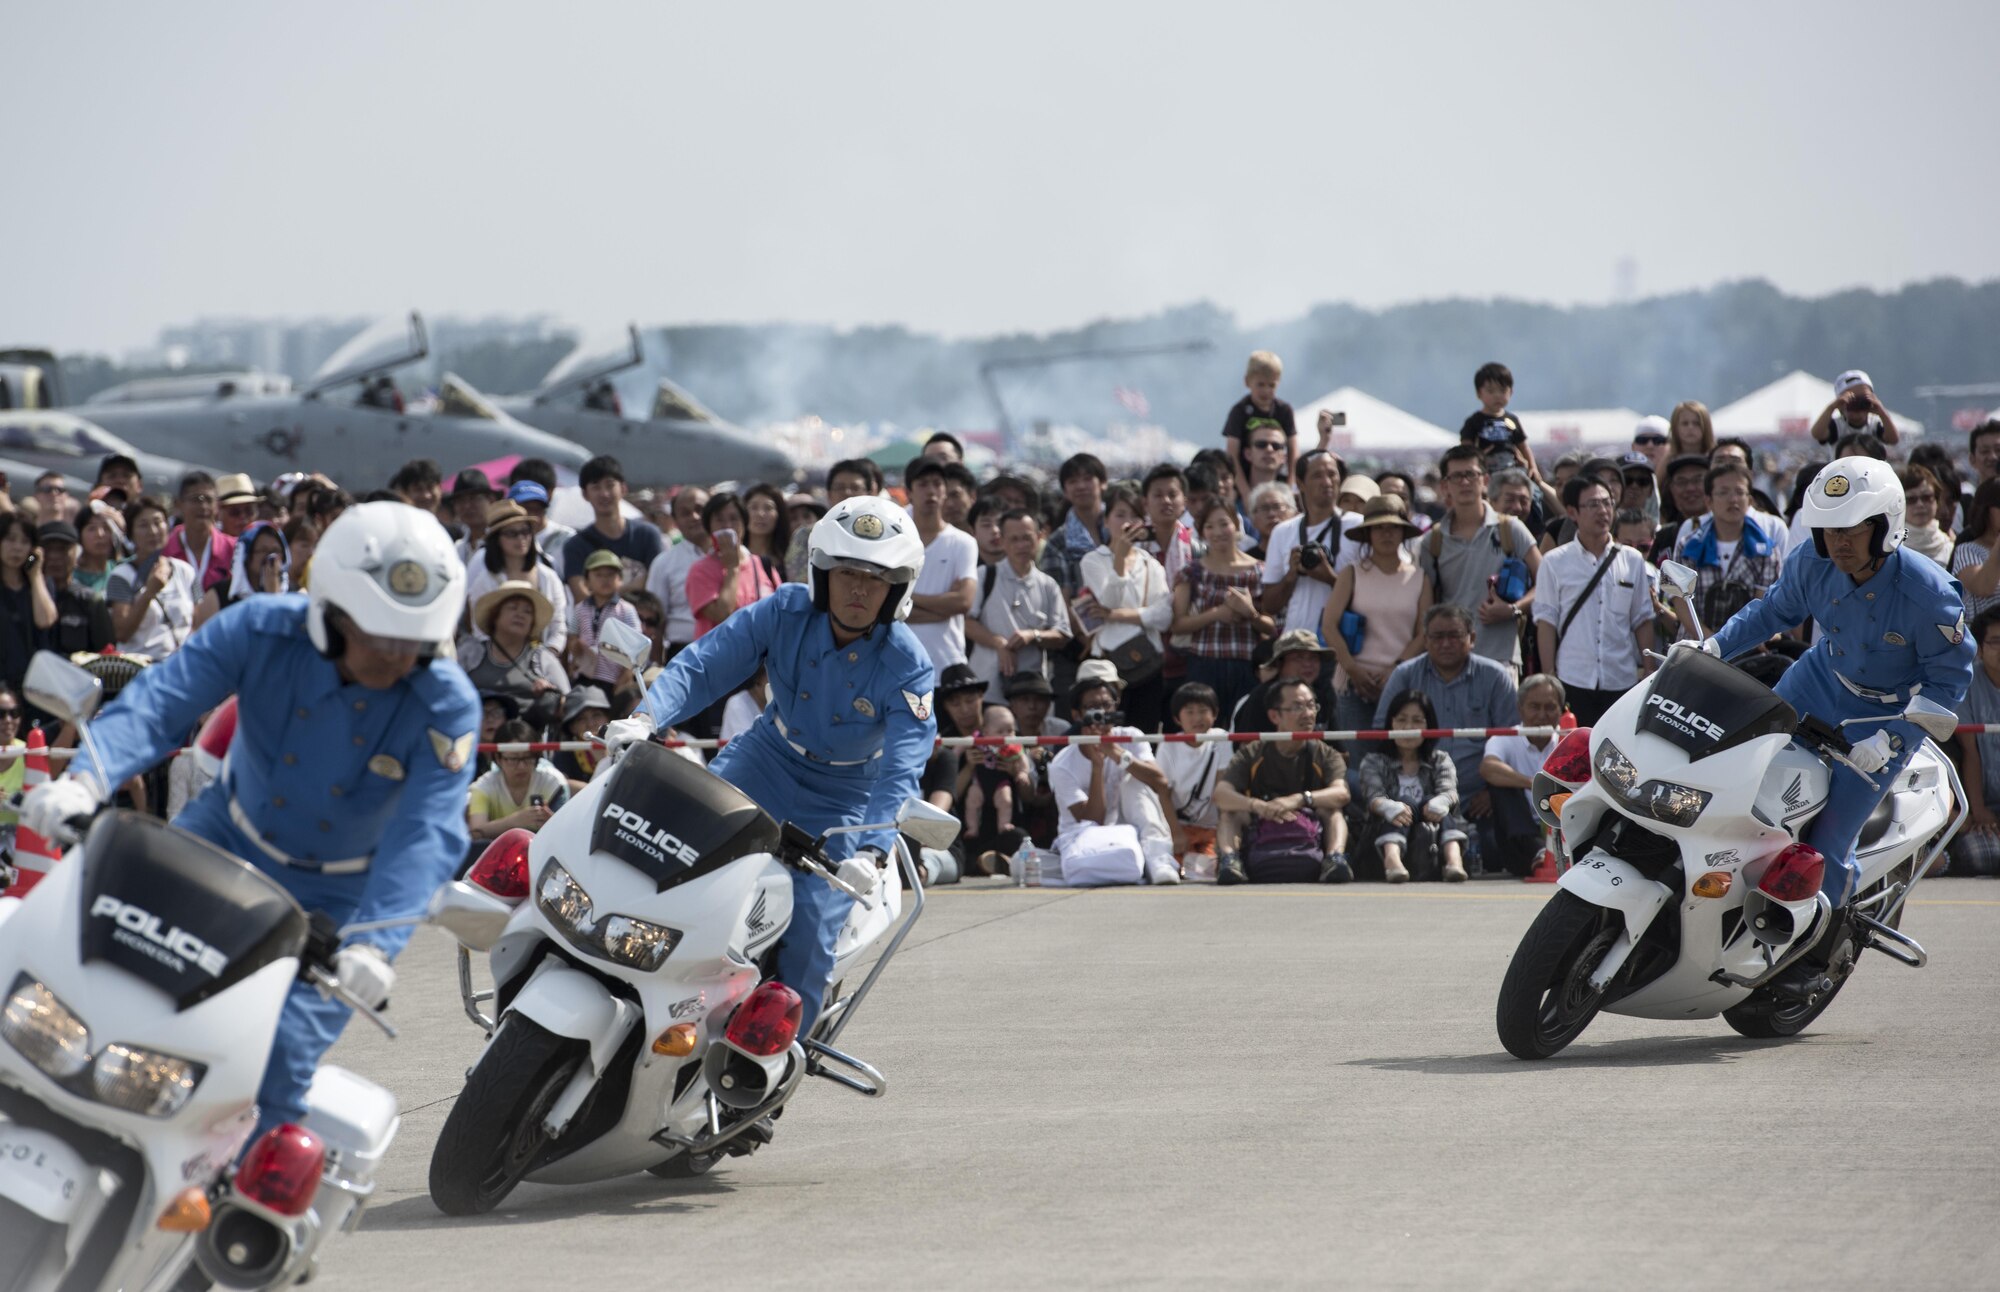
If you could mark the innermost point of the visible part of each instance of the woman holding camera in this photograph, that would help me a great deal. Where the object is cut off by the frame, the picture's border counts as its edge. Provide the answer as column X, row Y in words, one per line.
column 1215, row 600
column 1125, row 591
column 1371, row 619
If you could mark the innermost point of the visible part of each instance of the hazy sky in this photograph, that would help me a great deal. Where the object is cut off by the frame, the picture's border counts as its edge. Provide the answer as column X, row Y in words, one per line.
column 973, row 168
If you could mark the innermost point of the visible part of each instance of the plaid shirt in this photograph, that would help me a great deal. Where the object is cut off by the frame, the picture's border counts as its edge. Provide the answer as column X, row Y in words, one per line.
column 586, row 621
column 1225, row 638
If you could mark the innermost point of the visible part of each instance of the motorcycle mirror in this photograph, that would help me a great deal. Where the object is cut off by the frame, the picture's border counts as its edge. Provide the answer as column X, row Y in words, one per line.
column 1932, row 718
column 54, row 685
column 629, row 646
column 1679, row 578
column 476, row 919
column 928, row 824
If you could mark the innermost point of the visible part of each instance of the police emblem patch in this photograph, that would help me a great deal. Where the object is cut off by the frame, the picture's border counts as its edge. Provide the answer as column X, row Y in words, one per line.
column 450, row 753
column 862, row 707
column 1836, row 487
column 408, row 579
column 1954, row 633
column 867, row 526
column 386, row 767
column 1895, row 639
column 919, row 704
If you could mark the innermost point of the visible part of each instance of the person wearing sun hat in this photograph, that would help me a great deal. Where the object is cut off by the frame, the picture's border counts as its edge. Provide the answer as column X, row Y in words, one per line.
column 508, row 656
column 1297, row 655
column 1371, row 621
column 508, row 552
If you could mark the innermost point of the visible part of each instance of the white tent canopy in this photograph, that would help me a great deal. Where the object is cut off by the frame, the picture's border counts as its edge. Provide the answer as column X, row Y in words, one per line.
column 1786, row 408
column 1563, row 428
column 1374, row 428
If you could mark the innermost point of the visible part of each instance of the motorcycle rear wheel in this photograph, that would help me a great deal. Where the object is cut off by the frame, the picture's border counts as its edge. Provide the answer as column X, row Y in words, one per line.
column 1546, row 999
column 493, row 1136
column 1766, row 1016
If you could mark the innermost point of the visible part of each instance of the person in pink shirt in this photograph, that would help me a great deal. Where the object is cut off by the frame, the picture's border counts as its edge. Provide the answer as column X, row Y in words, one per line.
column 196, row 539
column 732, row 576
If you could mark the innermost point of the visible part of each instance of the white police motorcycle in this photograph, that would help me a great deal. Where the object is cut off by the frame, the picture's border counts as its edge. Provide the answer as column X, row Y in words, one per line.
column 143, row 982
column 1689, row 892
column 635, row 1026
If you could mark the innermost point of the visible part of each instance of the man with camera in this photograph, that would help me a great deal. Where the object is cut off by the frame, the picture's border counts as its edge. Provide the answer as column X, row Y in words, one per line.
column 1303, row 553
column 1860, row 412
column 1111, row 827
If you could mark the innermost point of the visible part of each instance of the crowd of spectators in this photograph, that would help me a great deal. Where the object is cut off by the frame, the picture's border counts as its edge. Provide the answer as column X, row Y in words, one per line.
column 1268, row 585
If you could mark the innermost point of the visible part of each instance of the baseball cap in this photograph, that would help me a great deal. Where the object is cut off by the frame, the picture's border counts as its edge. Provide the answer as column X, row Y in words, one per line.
column 1027, row 684
column 1848, row 380
column 1099, row 672
column 1681, row 462
column 603, row 558
column 959, row 677
column 58, row 531
column 1652, row 429
column 528, row 491
column 1634, row 461
column 1362, row 487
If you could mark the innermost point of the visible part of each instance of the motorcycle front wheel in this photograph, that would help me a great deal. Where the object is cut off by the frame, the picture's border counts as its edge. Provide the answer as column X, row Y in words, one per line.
column 1546, row 999
column 493, row 1135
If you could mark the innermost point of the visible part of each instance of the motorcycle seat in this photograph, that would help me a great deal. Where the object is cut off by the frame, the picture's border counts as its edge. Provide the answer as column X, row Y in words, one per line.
column 1877, row 824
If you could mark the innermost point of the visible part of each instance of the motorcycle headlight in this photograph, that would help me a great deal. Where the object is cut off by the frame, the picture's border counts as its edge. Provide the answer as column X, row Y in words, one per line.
column 637, row 944
column 46, row 1032
column 144, row 1081
column 1615, row 769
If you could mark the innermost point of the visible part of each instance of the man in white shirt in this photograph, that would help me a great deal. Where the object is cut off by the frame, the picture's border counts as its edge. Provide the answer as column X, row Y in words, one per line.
column 1018, row 612
column 1593, row 626
column 667, row 578
column 944, row 588
column 1511, row 836
column 1110, row 827
column 1297, row 586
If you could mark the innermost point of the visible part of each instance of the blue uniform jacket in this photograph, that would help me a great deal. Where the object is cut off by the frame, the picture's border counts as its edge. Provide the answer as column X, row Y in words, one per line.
column 863, row 710
column 1903, row 628
column 324, row 770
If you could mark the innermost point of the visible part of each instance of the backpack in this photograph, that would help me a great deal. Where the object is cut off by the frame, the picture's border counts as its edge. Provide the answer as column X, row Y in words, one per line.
column 1513, row 572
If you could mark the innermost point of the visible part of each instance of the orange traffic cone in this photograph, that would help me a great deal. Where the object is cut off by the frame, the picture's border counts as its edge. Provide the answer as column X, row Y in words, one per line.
column 1545, row 871
column 33, row 855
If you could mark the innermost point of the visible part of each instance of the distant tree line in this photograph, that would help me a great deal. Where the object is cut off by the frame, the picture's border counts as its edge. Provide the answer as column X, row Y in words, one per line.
column 1714, row 345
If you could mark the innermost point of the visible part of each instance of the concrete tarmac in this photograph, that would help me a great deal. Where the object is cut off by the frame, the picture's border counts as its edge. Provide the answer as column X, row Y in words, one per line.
column 1295, row 1087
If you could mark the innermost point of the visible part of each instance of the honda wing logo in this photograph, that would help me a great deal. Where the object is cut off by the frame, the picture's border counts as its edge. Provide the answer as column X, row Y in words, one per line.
column 758, row 921
column 1795, row 794
column 174, row 947
column 1683, row 718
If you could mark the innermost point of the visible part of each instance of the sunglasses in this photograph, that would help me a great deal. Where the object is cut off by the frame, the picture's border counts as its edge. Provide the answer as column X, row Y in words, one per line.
column 1653, row 440
column 1272, row 445
column 10, row 715
column 650, row 625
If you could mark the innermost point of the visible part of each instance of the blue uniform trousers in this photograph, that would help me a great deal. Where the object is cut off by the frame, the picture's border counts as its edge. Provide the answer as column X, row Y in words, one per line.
column 813, row 796
column 310, row 1023
column 1850, row 799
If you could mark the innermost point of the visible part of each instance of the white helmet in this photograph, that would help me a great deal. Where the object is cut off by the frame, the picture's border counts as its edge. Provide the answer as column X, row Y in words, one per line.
column 391, row 570
column 1848, row 491
column 872, row 535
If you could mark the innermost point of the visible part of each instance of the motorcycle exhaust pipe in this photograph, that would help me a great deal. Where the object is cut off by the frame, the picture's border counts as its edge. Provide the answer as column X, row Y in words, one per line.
column 741, row 1080
column 241, row 1249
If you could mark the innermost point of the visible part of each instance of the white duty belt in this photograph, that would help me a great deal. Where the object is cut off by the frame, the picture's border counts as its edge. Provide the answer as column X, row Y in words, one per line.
column 805, row 753
column 343, row 866
column 1879, row 697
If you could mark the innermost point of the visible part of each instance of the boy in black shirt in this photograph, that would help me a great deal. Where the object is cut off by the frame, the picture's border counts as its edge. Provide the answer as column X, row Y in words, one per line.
column 1493, row 427
column 1259, row 410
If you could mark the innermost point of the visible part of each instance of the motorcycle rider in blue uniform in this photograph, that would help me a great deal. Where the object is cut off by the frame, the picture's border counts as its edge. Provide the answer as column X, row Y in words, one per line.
column 1891, row 624
column 849, row 727
column 346, row 780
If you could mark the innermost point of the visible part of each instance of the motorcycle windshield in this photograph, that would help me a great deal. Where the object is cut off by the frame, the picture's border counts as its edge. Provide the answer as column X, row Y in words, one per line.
column 178, row 912
column 673, row 821
column 1703, row 706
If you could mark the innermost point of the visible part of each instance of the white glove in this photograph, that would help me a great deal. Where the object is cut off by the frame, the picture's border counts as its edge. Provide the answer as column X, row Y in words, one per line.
column 365, row 971
column 1706, row 646
column 1874, row 753
column 47, row 809
column 1435, row 809
column 626, row 731
column 859, row 873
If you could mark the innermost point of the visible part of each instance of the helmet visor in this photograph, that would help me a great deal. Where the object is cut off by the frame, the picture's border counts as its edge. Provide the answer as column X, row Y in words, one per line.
column 404, row 647
column 868, row 568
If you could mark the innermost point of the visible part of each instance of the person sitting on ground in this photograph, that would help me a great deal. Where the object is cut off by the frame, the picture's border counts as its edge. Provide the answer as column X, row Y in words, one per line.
column 585, row 711
column 1281, row 801
column 1410, row 797
column 1031, row 698
column 495, row 707
column 1112, row 827
column 521, row 792
column 1509, row 768
column 996, row 777
column 1191, row 771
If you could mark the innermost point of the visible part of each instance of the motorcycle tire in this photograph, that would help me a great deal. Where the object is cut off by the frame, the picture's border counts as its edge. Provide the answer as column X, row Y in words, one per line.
column 493, row 1136
column 1766, row 1016
column 1546, row 999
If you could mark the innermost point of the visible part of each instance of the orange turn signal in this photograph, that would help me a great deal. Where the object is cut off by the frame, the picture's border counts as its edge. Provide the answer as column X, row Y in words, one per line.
column 676, row 1042
column 186, row 1214
column 1556, row 801
column 1714, row 884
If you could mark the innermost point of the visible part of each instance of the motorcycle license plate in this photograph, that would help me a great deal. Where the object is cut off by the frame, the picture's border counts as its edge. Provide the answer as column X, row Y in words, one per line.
column 41, row 1173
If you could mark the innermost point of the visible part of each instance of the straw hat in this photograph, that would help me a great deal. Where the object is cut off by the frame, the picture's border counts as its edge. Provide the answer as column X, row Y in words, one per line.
column 1384, row 510
column 503, row 513
column 489, row 605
